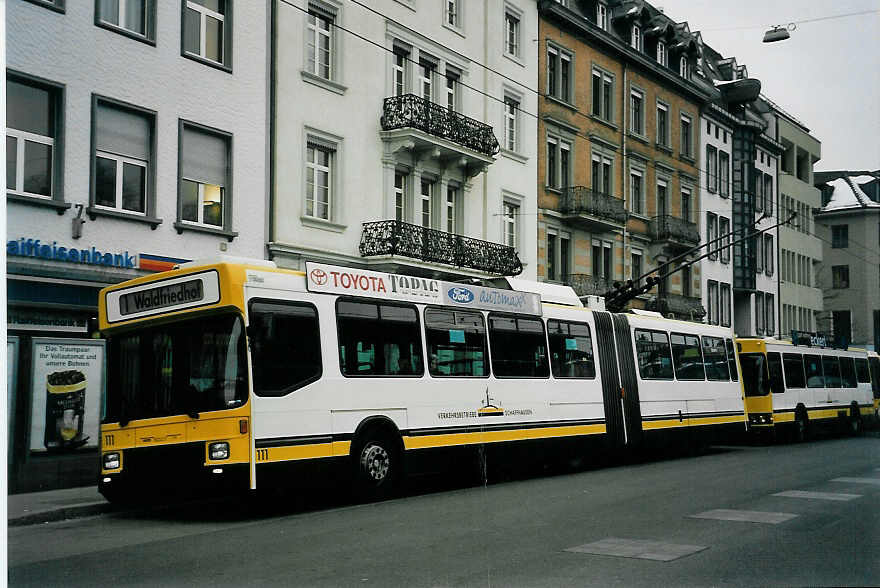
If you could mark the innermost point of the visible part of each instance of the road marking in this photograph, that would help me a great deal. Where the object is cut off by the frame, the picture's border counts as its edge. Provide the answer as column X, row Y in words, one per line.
column 748, row 516
column 818, row 495
column 638, row 549
column 875, row 481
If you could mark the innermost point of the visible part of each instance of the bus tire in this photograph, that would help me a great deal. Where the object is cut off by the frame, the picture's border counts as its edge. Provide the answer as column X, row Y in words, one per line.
column 377, row 466
column 801, row 425
column 855, row 420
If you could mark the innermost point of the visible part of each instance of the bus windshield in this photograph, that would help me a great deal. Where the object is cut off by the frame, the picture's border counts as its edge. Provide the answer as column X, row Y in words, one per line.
column 185, row 367
column 755, row 376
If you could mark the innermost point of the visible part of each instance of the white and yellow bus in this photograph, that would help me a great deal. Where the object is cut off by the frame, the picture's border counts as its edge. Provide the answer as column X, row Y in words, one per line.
column 798, row 386
column 243, row 375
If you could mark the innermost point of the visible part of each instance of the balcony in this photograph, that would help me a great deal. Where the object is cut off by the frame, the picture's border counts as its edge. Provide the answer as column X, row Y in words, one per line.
column 592, row 210
column 415, row 123
column 585, row 284
column 675, row 231
column 391, row 237
column 686, row 307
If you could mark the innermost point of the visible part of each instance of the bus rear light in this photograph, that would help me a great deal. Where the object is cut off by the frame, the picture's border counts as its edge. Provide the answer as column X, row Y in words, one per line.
column 242, row 426
column 111, row 461
column 218, row 450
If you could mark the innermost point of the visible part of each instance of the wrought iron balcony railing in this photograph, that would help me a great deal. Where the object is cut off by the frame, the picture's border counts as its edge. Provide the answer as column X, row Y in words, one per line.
column 584, row 284
column 689, row 307
column 413, row 111
column 672, row 228
column 392, row 237
column 582, row 200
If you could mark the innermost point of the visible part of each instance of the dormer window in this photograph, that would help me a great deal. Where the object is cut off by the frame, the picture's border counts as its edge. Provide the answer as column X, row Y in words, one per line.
column 684, row 69
column 602, row 16
column 662, row 58
column 636, row 38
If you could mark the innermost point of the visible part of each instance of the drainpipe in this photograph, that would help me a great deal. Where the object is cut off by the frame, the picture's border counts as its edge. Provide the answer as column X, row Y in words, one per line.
column 485, row 172
column 626, row 185
column 778, row 322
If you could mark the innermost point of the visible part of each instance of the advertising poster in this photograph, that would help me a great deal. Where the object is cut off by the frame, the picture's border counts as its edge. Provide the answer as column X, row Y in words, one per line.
column 67, row 387
column 11, row 387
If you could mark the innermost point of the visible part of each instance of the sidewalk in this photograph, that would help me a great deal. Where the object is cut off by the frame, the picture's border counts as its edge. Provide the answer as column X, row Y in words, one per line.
column 55, row 505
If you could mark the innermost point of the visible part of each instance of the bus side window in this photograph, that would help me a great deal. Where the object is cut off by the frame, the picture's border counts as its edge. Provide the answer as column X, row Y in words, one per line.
column 831, row 367
column 874, row 363
column 774, row 365
column 519, row 347
column 813, row 369
column 456, row 343
column 654, row 355
column 793, row 365
column 848, row 373
column 716, row 359
column 378, row 339
column 285, row 345
column 863, row 373
column 571, row 350
column 687, row 357
column 731, row 359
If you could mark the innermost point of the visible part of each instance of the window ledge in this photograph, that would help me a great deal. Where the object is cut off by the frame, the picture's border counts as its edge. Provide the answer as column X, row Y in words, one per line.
column 664, row 148
column 687, row 159
column 514, row 58
column 639, row 216
column 561, row 102
column 607, row 123
column 408, row 3
column 208, row 62
column 640, row 138
column 457, row 30
column 182, row 226
column 59, row 205
column 319, row 223
column 553, row 190
column 514, row 155
column 317, row 80
column 124, row 32
column 94, row 211
column 48, row 5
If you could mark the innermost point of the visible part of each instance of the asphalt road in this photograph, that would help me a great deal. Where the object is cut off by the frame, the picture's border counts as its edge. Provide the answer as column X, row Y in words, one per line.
column 510, row 533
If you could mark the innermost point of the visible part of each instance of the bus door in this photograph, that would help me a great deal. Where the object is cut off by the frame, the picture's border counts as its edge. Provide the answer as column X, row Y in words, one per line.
column 620, row 391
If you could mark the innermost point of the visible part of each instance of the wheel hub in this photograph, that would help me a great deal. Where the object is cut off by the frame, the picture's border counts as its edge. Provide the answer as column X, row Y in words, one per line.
column 375, row 462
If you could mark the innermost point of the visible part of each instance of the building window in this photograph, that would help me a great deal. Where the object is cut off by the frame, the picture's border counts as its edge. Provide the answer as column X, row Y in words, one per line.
column 768, row 194
column 711, row 168
column 558, row 255
column 205, row 31
column 511, row 34
column 426, row 197
column 558, row 163
column 400, row 207
column 558, row 74
column 637, row 112
column 123, row 157
column 205, row 172
column 426, row 79
column 686, row 281
column 662, row 124
column 841, row 325
column 602, row 16
column 129, row 16
column 319, row 185
column 768, row 255
column 759, row 191
column 32, row 117
column 451, row 16
column 725, row 305
column 603, row 92
column 662, row 198
column 56, row 5
column 511, row 233
column 759, row 313
column 687, row 143
column 451, row 207
column 319, row 45
column 724, row 233
column 769, row 315
column 686, row 204
column 712, row 234
column 712, row 302
column 400, row 69
column 662, row 57
column 840, row 276
column 452, row 90
column 511, row 118
column 839, row 236
column 635, row 38
column 636, row 192
column 635, row 266
column 602, row 176
column 602, row 259
column 684, row 69
column 723, row 174
column 759, row 254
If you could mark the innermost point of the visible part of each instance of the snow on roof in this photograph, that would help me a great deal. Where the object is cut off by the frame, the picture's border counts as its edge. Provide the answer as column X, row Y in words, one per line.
column 847, row 194
column 864, row 179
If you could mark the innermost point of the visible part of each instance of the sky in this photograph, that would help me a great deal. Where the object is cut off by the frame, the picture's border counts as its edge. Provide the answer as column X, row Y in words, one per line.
column 827, row 75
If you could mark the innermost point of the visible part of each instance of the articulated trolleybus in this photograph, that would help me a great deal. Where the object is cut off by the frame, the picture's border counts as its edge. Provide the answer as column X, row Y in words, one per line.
column 800, row 386
column 242, row 375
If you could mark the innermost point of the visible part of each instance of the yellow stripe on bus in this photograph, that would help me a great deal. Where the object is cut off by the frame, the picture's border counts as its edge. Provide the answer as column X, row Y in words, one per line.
column 453, row 439
column 734, row 418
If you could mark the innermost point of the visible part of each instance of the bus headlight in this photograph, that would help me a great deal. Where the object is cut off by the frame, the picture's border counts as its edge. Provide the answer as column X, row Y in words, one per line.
column 218, row 450
column 111, row 460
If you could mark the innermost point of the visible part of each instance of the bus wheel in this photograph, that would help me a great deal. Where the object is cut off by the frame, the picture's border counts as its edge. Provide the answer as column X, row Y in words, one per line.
column 377, row 468
column 855, row 420
column 801, row 426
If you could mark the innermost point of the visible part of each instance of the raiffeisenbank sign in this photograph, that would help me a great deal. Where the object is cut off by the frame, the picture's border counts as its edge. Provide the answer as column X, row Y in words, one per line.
column 354, row 282
column 91, row 256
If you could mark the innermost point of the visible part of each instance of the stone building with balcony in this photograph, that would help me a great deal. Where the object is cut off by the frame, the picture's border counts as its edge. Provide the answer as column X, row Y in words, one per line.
column 618, row 172
column 739, row 195
column 410, row 146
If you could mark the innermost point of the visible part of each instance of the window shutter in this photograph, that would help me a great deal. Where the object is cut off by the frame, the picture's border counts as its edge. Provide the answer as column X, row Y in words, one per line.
column 204, row 157
column 122, row 132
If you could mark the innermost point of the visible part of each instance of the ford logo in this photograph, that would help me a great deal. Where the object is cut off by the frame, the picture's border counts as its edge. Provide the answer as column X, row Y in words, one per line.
column 460, row 295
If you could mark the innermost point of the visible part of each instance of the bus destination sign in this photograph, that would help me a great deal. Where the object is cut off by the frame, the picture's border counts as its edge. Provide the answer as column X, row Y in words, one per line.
column 189, row 291
column 339, row 280
column 162, row 297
